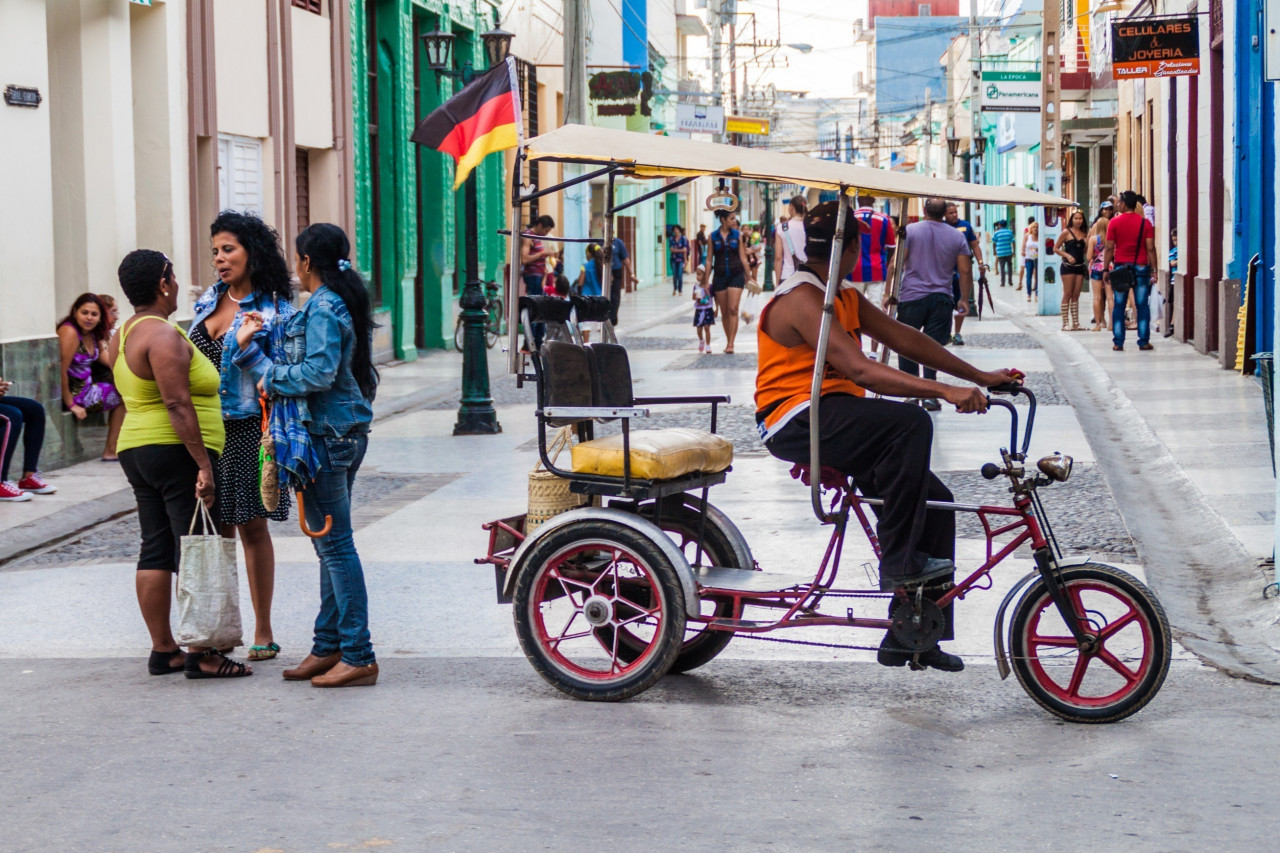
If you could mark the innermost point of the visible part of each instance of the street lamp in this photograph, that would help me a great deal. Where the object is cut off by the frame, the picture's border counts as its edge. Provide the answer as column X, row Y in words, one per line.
column 476, row 415
column 953, row 141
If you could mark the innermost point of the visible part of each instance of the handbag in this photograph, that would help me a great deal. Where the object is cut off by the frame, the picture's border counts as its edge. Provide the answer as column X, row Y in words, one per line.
column 268, row 468
column 1125, row 276
column 549, row 495
column 786, row 238
column 208, row 589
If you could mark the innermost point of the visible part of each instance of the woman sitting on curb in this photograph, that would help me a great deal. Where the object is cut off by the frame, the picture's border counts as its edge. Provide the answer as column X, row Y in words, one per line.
column 87, row 384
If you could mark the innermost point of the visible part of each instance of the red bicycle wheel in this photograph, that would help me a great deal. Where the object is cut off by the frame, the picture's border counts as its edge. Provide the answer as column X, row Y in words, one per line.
column 1117, row 671
column 580, row 589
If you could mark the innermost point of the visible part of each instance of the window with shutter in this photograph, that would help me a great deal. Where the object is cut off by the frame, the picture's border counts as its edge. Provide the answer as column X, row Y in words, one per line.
column 303, row 181
column 309, row 5
column 240, row 174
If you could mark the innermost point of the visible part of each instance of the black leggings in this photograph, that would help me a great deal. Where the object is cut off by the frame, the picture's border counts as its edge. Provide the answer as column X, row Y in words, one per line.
column 163, row 477
column 26, row 418
column 885, row 446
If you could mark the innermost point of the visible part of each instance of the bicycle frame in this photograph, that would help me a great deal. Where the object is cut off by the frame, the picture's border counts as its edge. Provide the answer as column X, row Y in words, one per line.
column 801, row 602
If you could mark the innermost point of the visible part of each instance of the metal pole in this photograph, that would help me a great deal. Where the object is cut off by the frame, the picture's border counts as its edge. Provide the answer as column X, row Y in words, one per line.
column 476, row 415
column 577, row 199
column 894, row 284
column 820, row 359
column 713, row 18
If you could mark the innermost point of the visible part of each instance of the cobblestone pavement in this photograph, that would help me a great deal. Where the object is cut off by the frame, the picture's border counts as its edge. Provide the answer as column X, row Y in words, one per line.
column 640, row 342
column 375, row 496
column 1000, row 340
column 504, row 392
column 1083, row 513
column 715, row 361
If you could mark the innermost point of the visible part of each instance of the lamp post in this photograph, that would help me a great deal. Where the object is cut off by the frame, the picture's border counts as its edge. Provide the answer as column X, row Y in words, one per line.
column 476, row 415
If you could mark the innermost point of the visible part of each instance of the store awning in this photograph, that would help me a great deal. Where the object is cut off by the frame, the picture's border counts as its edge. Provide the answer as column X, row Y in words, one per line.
column 646, row 156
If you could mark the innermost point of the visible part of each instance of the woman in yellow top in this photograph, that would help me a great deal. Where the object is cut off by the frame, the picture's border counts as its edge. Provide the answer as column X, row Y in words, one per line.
column 171, row 437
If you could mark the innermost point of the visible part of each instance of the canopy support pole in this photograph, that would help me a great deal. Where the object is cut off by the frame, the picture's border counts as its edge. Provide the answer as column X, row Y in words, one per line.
column 572, row 182
column 665, row 188
column 894, row 285
column 615, row 300
column 820, row 359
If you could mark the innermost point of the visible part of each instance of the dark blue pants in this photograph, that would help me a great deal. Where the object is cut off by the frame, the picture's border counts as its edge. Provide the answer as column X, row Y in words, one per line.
column 677, row 274
column 21, row 412
column 932, row 315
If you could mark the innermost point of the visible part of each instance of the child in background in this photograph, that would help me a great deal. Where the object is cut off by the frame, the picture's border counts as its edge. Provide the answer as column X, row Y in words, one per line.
column 113, row 312
column 561, row 289
column 704, row 312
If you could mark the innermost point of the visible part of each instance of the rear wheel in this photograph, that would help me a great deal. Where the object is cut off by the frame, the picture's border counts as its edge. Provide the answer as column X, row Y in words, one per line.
column 1122, row 666
column 680, row 522
column 599, row 610
column 458, row 334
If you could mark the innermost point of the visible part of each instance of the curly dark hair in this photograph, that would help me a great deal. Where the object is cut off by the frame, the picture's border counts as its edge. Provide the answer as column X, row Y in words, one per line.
column 268, row 270
column 101, row 331
column 141, row 273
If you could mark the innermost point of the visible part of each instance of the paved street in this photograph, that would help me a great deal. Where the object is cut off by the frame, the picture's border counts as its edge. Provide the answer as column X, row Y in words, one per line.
column 462, row 747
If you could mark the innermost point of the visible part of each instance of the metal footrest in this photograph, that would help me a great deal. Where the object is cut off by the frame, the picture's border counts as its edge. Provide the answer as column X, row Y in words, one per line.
column 745, row 580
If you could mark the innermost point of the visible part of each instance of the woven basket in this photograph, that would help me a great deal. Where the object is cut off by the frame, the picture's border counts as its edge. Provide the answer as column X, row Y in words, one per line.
column 549, row 495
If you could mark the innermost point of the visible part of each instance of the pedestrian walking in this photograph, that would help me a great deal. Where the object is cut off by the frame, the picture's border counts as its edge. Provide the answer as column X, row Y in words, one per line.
column 971, row 237
column 21, row 419
column 1031, row 255
column 328, row 364
column 172, row 435
column 87, row 386
column 1002, row 244
column 1072, row 247
column 728, row 273
column 252, row 277
column 678, row 246
column 701, row 241
column 1129, row 249
column 533, row 264
column 934, row 251
column 1173, row 270
column 622, row 278
column 1097, row 283
column 789, row 240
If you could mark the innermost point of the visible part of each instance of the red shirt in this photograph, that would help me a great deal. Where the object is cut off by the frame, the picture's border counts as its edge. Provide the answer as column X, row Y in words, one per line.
column 878, row 236
column 1123, row 231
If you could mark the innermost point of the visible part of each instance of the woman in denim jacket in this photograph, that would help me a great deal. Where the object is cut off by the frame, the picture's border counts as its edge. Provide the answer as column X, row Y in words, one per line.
column 328, row 369
column 252, row 277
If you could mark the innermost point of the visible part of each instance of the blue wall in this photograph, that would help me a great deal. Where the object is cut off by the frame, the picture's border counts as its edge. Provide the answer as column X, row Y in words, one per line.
column 635, row 33
column 907, row 54
column 1255, row 212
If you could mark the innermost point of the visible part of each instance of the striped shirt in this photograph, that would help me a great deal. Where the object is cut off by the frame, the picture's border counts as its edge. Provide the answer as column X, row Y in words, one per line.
column 872, row 263
column 1002, row 243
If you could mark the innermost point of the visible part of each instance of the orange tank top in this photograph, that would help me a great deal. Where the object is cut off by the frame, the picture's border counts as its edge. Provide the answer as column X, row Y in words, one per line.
column 785, row 374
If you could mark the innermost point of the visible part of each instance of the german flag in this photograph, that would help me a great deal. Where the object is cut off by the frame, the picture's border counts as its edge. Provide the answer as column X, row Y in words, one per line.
column 482, row 118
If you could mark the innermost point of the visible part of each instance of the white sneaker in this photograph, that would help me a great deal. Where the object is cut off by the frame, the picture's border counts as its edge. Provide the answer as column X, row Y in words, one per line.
column 702, row 347
column 10, row 492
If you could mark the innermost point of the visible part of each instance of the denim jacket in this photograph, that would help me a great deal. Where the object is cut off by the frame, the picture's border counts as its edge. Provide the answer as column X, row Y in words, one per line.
column 237, row 391
column 319, row 343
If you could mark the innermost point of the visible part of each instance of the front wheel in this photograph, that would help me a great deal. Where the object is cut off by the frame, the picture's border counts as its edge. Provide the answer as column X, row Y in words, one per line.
column 1121, row 667
column 459, row 334
column 599, row 610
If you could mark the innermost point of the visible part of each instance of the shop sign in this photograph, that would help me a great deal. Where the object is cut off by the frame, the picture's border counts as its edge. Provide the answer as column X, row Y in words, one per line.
column 746, row 124
column 1016, row 129
column 699, row 118
column 1155, row 47
column 1010, row 91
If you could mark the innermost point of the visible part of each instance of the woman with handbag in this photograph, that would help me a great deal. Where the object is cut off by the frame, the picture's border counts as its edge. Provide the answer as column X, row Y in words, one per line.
column 252, row 276
column 87, row 386
column 328, row 365
column 169, row 445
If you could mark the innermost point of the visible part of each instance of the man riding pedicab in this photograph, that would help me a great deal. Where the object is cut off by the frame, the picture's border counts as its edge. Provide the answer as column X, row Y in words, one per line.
column 884, row 445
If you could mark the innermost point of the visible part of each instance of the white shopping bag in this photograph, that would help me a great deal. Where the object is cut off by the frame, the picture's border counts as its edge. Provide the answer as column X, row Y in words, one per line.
column 208, row 589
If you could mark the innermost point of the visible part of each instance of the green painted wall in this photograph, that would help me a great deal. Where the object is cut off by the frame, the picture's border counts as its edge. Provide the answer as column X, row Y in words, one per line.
column 417, row 276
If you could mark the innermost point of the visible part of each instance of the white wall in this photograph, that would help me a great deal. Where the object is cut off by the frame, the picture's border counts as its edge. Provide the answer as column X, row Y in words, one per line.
column 240, row 58
column 312, row 81
column 26, row 206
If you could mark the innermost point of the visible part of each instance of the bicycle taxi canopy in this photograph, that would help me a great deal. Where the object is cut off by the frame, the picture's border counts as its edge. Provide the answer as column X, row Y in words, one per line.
column 620, row 153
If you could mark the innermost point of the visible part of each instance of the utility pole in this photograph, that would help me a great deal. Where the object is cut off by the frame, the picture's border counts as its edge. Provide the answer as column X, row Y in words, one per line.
column 717, row 92
column 577, row 199
column 975, row 73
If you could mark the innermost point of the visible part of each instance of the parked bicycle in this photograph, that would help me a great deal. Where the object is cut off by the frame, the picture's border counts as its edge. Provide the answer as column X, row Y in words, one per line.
column 495, row 325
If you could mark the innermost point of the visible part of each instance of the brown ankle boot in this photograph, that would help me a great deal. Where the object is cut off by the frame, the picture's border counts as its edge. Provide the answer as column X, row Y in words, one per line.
column 312, row 666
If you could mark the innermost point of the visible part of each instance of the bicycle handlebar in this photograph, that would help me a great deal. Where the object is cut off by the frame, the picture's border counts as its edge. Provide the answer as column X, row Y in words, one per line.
column 1014, row 389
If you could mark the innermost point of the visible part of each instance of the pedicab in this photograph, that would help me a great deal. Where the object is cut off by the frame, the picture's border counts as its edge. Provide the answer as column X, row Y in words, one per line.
column 645, row 577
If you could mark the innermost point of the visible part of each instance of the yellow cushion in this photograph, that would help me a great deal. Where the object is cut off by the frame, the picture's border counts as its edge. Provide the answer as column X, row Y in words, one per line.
column 656, row 454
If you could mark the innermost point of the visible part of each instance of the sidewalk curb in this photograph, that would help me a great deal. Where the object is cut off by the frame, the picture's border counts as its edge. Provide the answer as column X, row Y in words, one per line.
column 64, row 524
column 1206, row 579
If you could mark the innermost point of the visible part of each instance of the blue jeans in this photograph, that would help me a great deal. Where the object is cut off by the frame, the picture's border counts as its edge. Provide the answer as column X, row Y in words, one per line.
column 1141, row 293
column 343, row 623
column 21, row 412
column 677, row 274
